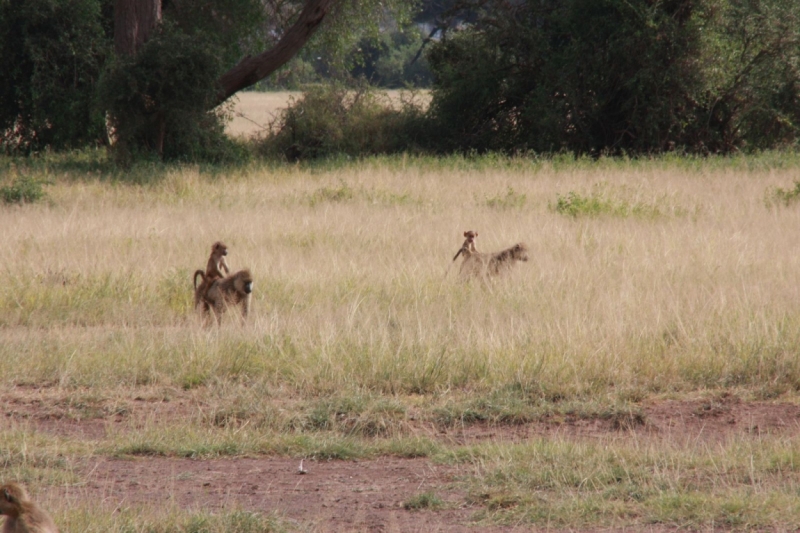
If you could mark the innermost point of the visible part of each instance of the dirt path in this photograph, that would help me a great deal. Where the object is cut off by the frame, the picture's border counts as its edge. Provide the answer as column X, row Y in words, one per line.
column 331, row 496
column 364, row 495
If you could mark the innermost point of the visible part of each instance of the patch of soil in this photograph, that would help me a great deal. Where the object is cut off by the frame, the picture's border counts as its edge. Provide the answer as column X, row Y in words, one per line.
column 331, row 496
column 364, row 495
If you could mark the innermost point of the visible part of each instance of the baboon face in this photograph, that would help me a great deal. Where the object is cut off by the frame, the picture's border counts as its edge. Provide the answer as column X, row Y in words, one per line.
column 520, row 252
column 247, row 287
column 470, row 234
column 219, row 248
column 244, row 283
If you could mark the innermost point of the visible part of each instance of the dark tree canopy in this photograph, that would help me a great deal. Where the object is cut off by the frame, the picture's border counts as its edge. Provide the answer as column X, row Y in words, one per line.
column 55, row 51
column 51, row 56
column 583, row 76
column 620, row 76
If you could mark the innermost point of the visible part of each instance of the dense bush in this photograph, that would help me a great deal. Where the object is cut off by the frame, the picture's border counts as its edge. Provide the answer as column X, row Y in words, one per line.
column 51, row 55
column 620, row 76
column 23, row 189
column 159, row 100
column 780, row 196
column 334, row 119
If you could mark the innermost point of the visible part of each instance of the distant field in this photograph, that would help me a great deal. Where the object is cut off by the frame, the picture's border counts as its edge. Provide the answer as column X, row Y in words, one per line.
column 253, row 112
column 641, row 371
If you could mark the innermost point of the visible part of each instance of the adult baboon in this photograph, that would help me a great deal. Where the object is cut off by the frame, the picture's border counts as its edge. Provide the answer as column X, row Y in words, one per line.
column 22, row 515
column 468, row 248
column 477, row 264
column 216, row 264
column 228, row 292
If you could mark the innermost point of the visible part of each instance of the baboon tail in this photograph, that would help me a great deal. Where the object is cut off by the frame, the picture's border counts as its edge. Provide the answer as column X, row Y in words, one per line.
column 458, row 253
column 198, row 273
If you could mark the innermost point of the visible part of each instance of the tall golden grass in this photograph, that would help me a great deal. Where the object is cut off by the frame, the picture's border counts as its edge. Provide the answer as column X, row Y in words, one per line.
column 691, row 284
column 253, row 112
column 646, row 279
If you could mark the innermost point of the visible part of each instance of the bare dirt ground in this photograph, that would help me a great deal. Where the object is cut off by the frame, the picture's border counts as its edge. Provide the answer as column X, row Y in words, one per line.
column 364, row 495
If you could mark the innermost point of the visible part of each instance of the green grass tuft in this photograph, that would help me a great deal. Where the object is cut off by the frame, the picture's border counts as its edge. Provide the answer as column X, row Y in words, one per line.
column 426, row 500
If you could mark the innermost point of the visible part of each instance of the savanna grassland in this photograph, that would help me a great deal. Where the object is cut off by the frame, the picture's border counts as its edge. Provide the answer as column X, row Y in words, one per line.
column 640, row 372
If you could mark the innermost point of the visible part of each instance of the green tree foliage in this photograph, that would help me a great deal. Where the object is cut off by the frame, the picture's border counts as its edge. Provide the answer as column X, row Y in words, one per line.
column 160, row 98
column 750, row 64
column 393, row 61
column 51, row 55
column 231, row 28
column 54, row 52
column 620, row 76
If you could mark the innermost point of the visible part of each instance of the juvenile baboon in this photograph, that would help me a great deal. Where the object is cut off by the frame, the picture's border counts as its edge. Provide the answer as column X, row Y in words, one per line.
column 228, row 292
column 478, row 264
column 216, row 264
column 22, row 515
column 468, row 248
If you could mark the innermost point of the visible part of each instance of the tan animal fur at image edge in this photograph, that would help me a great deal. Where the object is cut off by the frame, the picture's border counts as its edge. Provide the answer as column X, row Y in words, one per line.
column 22, row 515
column 216, row 264
column 477, row 264
column 233, row 291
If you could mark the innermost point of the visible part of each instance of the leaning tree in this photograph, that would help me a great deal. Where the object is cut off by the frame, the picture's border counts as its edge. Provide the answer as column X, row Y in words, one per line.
column 178, row 60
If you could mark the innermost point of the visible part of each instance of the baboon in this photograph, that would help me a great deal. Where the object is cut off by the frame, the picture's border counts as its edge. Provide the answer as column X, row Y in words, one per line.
column 216, row 264
column 468, row 248
column 478, row 264
column 22, row 515
column 228, row 292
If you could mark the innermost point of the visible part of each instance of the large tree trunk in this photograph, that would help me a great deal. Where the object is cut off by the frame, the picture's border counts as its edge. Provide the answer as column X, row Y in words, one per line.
column 134, row 21
column 250, row 70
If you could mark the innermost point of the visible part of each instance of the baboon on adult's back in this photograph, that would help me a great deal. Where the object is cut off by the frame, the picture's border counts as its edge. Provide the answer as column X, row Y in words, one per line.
column 477, row 264
column 468, row 248
column 216, row 264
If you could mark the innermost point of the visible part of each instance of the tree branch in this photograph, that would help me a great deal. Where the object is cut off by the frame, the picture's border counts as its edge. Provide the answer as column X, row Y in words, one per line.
column 251, row 70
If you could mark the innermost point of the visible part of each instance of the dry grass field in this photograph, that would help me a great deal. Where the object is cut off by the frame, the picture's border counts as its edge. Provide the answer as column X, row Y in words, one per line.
column 253, row 112
column 640, row 372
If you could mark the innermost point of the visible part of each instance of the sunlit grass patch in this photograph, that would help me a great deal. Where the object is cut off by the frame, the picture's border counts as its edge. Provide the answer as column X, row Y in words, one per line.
column 28, row 456
column 353, row 415
column 510, row 200
column 74, row 298
column 89, row 519
column 604, row 201
column 23, row 189
column 195, row 442
column 779, row 196
column 426, row 500
column 342, row 193
column 577, row 484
